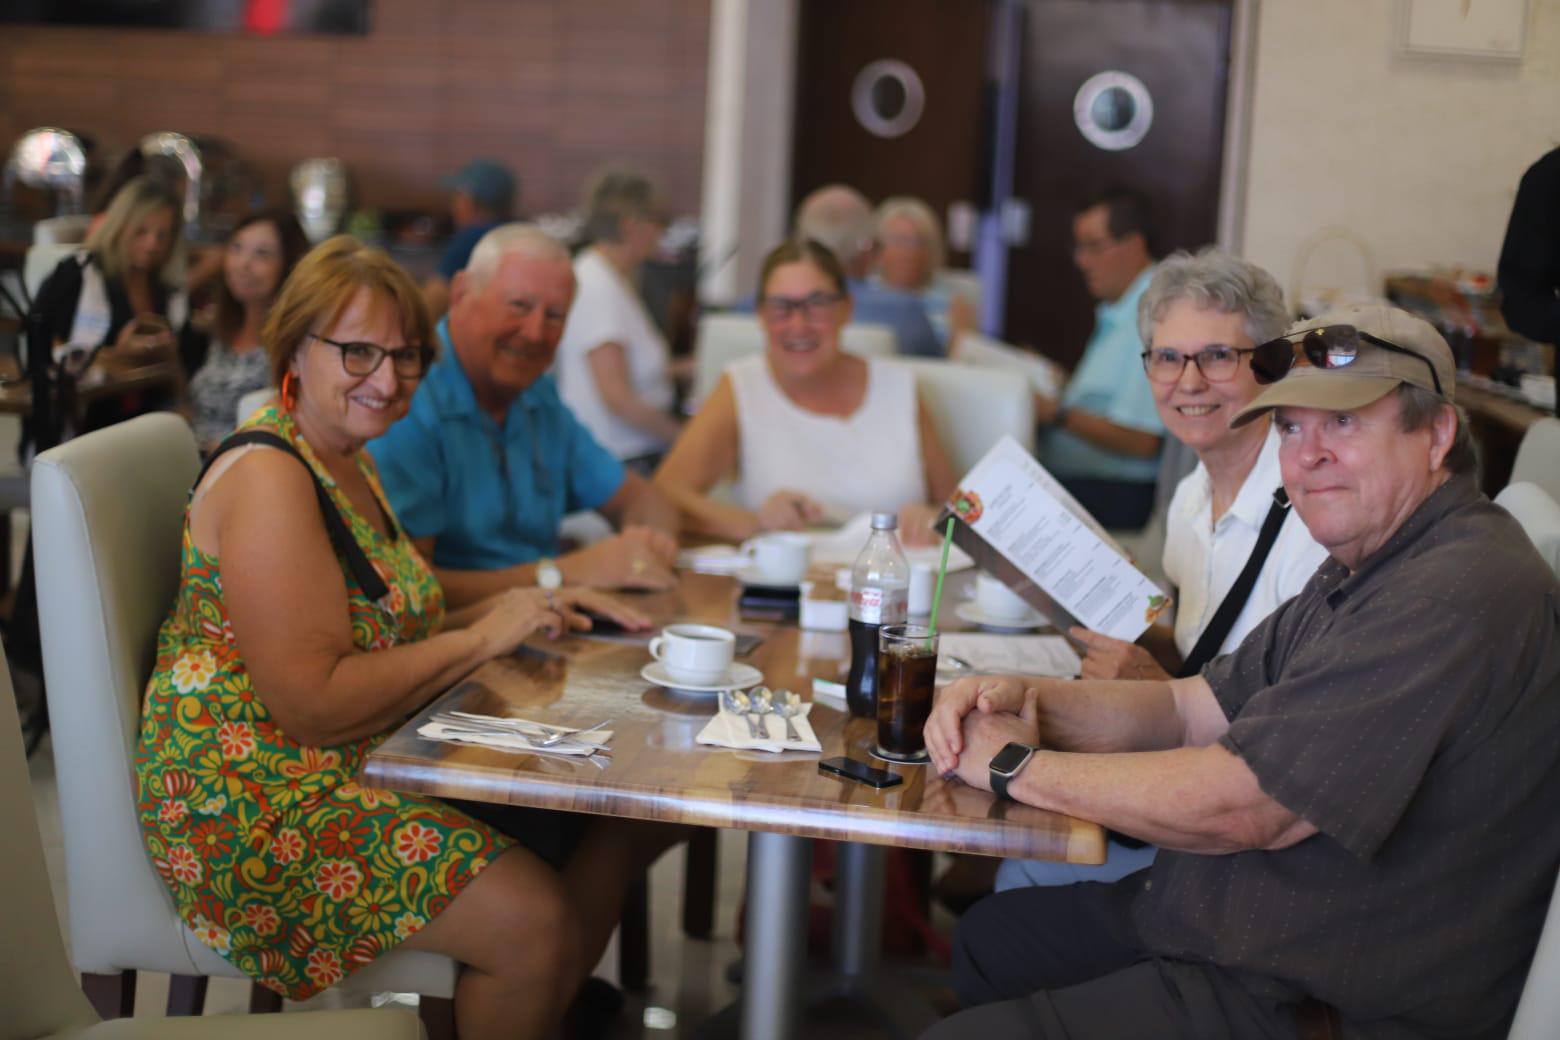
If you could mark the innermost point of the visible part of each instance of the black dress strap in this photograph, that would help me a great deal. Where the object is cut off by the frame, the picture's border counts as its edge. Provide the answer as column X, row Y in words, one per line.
column 1235, row 600
column 341, row 538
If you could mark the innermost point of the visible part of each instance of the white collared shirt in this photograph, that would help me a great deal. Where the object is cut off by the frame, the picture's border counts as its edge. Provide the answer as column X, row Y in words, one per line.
column 1203, row 559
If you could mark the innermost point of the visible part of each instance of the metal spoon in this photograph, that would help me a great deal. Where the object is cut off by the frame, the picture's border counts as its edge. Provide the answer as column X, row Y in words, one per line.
column 789, row 707
column 763, row 701
column 738, row 701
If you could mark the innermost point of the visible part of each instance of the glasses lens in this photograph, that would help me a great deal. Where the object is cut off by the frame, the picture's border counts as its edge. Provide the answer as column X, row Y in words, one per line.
column 817, row 308
column 1333, row 347
column 1272, row 360
column 776, row 309
column 360, row 359
column 1218, row 363
column 1163, row 365
column 409, row 362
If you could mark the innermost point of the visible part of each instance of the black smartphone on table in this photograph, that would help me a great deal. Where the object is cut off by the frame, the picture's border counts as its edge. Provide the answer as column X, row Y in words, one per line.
column 853, row 769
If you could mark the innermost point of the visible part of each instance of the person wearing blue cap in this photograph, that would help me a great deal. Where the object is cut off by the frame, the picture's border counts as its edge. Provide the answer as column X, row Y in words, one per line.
column 483, row 197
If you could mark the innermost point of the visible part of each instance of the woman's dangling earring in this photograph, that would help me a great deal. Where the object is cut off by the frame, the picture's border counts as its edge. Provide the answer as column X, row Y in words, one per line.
column 290, row 391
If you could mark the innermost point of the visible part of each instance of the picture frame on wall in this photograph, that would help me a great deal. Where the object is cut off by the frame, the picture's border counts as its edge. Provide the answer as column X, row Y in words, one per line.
column 1481, row 30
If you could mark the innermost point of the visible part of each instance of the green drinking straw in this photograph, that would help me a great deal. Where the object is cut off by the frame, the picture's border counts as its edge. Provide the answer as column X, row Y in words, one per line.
column 942, row 571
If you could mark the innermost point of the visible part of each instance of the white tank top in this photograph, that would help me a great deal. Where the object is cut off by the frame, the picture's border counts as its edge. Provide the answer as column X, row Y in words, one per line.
column 869, row 461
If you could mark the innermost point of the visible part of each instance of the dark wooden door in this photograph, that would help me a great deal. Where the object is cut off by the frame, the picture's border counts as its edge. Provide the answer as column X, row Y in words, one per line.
column 1179, row 51
column 942, row 157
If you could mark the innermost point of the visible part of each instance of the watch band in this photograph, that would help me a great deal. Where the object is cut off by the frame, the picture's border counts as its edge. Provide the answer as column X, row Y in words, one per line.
column 1000, row 780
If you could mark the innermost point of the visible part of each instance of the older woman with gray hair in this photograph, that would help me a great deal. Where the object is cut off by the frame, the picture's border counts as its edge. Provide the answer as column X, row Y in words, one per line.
column 613, row 367
column 1201, row 316
column 910, row 253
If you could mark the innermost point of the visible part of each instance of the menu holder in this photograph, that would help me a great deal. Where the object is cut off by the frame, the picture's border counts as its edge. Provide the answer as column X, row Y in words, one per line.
column 1019, row 524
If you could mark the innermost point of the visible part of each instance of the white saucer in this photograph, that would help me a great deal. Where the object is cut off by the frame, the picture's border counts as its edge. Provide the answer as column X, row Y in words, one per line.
column 970, row 611
column 738, row 677
column 753, row 576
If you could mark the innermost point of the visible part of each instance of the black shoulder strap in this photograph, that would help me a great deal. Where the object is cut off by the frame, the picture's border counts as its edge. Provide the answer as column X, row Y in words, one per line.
column 346, row 546
column 1229, row 609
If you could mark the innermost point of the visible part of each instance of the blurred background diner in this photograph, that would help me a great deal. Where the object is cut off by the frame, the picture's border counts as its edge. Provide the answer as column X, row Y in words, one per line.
column 788, row 262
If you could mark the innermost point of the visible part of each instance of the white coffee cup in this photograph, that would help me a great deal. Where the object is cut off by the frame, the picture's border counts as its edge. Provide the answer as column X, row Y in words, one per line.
column 996, row 600
column 781, row 556
column 923, row 578
column 699, row 655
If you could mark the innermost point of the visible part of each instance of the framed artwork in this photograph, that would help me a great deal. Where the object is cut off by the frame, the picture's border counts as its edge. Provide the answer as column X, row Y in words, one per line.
column 1486, row 30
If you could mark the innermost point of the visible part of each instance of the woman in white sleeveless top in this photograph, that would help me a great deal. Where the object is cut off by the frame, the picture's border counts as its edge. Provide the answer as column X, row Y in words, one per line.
column 806, row 432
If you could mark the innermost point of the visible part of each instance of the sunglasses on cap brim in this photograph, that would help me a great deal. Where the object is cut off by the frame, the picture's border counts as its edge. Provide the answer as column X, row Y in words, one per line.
column 1331, row 346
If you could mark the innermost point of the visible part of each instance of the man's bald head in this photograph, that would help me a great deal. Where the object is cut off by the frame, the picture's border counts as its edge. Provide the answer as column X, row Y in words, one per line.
column 840, row 217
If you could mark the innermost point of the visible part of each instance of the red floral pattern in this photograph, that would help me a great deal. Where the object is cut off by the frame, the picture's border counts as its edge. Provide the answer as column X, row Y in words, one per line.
column 277, row 858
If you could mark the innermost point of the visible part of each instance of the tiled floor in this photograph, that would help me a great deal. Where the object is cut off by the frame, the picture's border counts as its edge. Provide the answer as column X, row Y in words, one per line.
column 687, row 977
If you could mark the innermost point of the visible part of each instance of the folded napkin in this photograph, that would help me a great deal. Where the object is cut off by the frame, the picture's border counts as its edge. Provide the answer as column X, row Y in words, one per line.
column 511, row 734
column 714, row 559
column 730, row 730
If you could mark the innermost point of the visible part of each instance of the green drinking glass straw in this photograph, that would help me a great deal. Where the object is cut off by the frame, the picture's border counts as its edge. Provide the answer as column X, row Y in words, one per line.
column 942, row 572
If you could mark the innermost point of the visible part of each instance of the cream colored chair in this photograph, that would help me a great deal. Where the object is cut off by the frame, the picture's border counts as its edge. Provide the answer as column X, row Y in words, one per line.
column 41, row 260
column 1538, row 457
column 38, row 996
column 724, row 338
column 974, row 407
column 1538, row 1010
column 1539, row 516
column 108, row 513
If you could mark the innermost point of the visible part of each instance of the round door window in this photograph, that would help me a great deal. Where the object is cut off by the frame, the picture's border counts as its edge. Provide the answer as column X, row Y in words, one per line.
column 887, row 98
column 1113, row 110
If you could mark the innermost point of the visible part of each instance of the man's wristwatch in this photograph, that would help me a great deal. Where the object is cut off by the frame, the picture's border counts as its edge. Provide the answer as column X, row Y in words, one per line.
column 549, row 578
column 1006, row 764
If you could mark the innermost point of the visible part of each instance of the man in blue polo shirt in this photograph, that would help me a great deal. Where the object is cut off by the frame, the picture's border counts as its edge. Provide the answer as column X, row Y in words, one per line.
column 1105, row 433
column 489, row 459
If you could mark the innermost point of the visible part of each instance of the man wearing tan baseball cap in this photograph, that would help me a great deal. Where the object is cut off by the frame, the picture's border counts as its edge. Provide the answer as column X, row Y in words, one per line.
column 1354, row 808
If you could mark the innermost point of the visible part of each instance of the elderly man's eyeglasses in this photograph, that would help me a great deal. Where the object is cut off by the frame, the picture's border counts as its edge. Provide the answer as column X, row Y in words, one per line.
column 1217, row 363
column 1331, row 346
column 818, row 307
column 364, row 359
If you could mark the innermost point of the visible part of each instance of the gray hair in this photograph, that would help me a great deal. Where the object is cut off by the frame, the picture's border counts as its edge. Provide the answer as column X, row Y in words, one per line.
column 1214, row 278
column 838, row 217
column 617, row 193
column 1417, row 409
column 920, row 214
column 518, row 237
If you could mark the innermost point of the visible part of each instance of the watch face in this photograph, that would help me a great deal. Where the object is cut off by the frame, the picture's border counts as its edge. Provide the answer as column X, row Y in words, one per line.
column 1010, row 758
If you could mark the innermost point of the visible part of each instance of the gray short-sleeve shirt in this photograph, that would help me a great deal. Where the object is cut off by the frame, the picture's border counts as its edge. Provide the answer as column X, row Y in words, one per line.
column 1411, row 712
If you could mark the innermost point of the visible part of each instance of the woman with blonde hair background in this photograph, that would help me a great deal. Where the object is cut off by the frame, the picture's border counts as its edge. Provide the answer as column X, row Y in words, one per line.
column 910, row 254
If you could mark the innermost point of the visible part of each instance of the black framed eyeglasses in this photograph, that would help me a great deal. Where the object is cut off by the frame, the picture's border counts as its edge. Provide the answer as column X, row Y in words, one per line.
column 1217, row 363
column 363, row 359
column 815, row 308
column 1331, row 346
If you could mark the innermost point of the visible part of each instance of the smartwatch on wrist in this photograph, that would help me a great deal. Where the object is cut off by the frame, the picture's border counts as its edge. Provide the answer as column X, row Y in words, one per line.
column 549, row 578
column 1006, row 764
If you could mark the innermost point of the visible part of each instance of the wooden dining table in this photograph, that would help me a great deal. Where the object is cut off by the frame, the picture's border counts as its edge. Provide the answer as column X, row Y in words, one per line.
column 658, row 772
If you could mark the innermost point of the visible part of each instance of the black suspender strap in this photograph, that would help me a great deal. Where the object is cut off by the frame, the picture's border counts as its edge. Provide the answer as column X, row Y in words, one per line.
column 1218, row 629
column 341, row 539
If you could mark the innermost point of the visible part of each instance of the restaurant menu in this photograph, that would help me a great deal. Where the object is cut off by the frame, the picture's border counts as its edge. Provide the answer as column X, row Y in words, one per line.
column 1021, row 525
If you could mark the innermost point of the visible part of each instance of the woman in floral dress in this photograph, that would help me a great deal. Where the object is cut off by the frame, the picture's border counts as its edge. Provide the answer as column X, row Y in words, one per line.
column 276, row 675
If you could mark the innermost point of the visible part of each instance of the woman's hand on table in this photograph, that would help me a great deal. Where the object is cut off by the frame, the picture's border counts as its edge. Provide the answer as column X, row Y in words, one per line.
column 1107, row 658
column 575, row 603
column 635, row 558
column 788, row 511
column 916, row 524
column 512, row 616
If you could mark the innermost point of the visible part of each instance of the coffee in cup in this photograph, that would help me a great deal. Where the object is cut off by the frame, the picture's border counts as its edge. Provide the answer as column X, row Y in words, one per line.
column 780, row 556
column 996, row 600
column 699, row 655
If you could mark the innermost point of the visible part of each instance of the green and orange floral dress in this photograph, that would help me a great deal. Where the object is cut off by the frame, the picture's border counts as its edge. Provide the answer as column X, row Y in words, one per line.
column 275, row 855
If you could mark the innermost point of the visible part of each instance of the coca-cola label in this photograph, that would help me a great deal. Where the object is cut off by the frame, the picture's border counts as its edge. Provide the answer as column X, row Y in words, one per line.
column 879, row 606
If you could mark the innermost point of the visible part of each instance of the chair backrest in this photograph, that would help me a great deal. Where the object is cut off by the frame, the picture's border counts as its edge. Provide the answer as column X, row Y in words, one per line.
column 67, row 230
column 1538, row 457
column 1538, row 1012
column 42, row 258
column 724, row 338
column 252, row 402
column 38, row 994
column 973, row 407
column 1539, row 516
column 108, row 511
